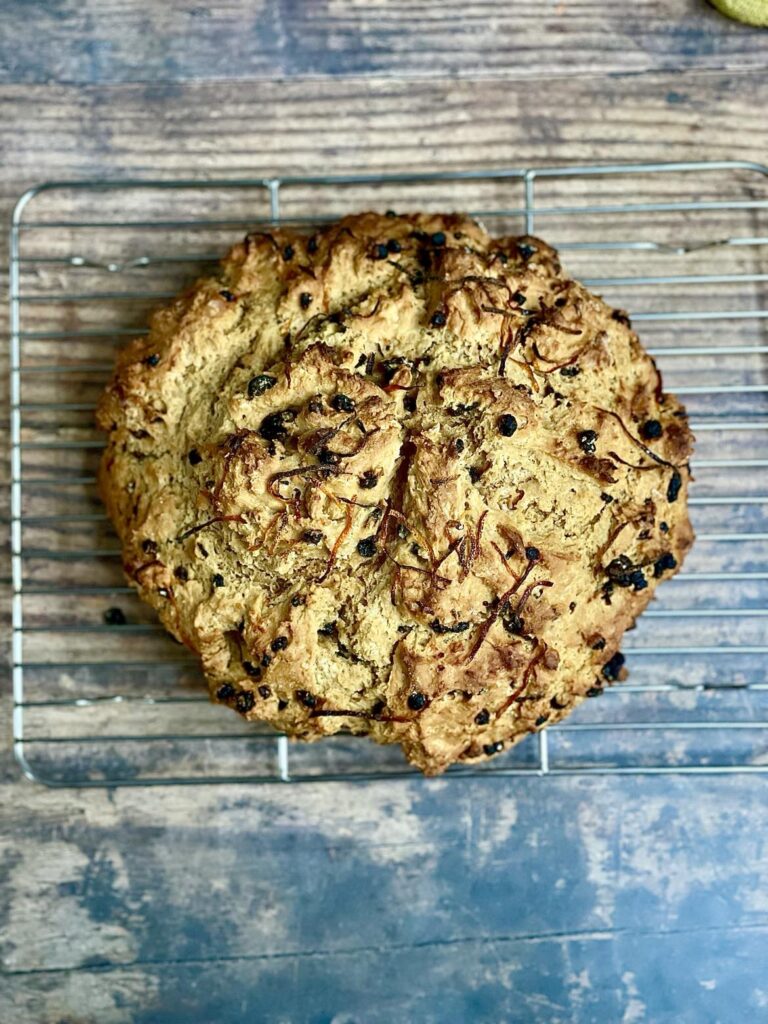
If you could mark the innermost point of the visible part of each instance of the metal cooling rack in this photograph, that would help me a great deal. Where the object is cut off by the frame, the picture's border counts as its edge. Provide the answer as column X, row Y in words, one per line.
column 682, row 246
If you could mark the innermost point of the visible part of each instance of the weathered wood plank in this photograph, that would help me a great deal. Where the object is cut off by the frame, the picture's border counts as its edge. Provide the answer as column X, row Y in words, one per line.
column 672, row 978
column 450, row 895
column 365, row 126
column 105, row 42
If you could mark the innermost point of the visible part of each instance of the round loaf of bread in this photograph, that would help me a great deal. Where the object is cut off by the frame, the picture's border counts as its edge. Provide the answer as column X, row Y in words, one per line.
column 396, row 478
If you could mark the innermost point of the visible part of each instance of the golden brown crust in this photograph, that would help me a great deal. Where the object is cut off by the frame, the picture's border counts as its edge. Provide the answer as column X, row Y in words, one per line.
column 397, row 478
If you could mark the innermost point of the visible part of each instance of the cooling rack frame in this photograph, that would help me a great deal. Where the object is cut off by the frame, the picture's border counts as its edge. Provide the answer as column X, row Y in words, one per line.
column 529, row 215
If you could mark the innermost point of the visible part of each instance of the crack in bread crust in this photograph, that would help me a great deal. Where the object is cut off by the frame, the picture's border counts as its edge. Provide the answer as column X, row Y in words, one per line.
column 397, row 478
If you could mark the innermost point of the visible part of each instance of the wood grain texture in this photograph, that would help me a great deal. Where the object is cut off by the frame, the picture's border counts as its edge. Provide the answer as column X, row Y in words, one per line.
column 431, row 902
column 105, row 41
column 550, row 901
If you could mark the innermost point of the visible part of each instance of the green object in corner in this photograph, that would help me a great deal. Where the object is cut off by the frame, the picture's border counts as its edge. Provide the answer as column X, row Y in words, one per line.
column 751, row 12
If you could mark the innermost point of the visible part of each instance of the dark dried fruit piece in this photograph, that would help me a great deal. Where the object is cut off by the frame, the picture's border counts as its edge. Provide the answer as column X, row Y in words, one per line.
column 441, row 628
column 260, row 383
column 612, row 668
column 245, row 702
column 483, row 717
column 366, row 547
column 651, row 430
column 587, row 441
column 279, row 643
column 665, row 563
column 328, row 458
column 623, row 573
column 507, row 424
column 272, row 427
column 417, row 701
column 225, row 692
column 675, row 483
column 342, row 403
column 306, row 698
column 513, row 624
column 493, row 748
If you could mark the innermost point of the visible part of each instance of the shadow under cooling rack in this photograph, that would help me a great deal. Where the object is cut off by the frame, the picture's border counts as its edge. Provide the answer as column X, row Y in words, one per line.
column 683, row 247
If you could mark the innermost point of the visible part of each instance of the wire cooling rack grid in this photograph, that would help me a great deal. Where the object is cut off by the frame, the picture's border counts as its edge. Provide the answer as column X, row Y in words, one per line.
column 682, row 246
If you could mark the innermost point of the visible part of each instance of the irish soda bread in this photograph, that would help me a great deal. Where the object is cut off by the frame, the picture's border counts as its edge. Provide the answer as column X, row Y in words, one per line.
column 397, row 478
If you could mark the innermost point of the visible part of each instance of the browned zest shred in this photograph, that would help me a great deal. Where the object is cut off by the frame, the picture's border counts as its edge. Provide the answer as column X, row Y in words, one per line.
column 471, row 548
column 417, row 568
column 276, row 479
column 636, row 440
column 530, row 668
column 337, row 543
column 515, row 695
column 559, row 366
column 235, row 518
column 529, row 370
column 143, row 568
column 528, row 591
column 609, row 542
column 503, row 558
column 512, row 537
column 453, row 546
column 630, row 465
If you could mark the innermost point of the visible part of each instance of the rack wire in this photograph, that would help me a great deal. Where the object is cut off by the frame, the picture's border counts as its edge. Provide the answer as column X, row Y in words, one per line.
column 681, row 246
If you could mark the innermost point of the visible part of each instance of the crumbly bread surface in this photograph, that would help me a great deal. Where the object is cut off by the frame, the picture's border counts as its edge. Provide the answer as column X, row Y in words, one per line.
column 397, row 478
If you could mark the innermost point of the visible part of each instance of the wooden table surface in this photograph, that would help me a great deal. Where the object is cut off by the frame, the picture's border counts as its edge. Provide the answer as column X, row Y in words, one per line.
column 539, row 900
